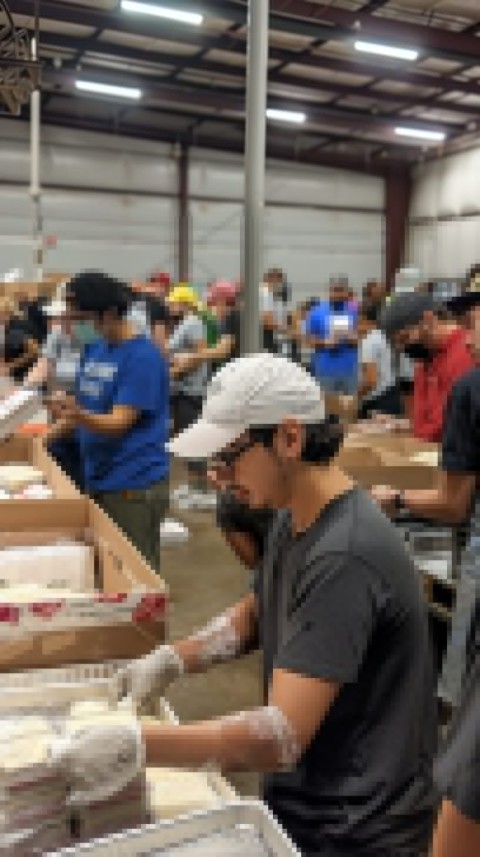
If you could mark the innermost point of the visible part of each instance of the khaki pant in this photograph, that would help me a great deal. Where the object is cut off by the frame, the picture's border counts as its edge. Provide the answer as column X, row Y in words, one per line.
column 139, row 513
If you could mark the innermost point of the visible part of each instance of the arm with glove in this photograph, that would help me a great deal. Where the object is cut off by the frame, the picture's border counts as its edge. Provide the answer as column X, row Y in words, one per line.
column 226, row 637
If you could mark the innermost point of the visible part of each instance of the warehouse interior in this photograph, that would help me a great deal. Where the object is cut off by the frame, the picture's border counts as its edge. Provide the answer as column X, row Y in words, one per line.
column 239, row 173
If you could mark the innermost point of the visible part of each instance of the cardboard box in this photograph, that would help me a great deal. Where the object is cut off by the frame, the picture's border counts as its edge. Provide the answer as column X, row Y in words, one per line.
column 125, row 619
column 388, row 462
column 30, row 450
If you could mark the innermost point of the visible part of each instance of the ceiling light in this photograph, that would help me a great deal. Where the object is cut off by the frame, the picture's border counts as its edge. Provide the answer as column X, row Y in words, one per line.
column 286, row 116
column 386, row 50
column 108, row 89
column 421, row 134
column 162, row 12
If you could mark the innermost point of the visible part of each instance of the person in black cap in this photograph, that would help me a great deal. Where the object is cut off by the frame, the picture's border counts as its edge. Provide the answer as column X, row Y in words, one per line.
column 417, row 326
column 457, row 772
column 120, row 412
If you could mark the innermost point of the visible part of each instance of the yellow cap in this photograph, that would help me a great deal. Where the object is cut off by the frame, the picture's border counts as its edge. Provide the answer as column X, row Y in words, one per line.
column 182, row 293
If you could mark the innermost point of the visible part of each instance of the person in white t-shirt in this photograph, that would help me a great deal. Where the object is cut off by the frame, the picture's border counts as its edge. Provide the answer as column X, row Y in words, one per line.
column 377, row 388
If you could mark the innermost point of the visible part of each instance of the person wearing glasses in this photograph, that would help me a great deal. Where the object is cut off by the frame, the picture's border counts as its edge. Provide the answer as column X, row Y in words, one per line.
column 345, row 735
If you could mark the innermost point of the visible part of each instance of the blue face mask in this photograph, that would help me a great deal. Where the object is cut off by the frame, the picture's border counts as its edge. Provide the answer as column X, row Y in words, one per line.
column 84, row 332
column 338, row 306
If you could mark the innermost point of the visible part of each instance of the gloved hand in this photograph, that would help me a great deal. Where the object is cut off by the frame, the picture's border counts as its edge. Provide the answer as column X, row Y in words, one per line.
column 147, row 679
column 98, row 761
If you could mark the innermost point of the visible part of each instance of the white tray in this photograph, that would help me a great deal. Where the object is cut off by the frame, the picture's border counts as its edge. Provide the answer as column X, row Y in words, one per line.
column 186, row 829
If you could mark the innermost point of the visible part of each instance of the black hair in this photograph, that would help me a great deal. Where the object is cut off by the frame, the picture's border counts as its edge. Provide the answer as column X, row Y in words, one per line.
column 369, row 312
column 97, row 292
column 322, row 440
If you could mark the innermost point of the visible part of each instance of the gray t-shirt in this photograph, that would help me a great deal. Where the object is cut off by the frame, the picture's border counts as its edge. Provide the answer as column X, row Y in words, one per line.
column 63, row 356
column 185, row 339
column 342, row 602
column 374, row 348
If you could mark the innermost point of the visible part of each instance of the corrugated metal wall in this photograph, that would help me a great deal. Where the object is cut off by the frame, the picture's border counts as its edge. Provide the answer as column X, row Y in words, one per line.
column 444, row 231
column 112, row 203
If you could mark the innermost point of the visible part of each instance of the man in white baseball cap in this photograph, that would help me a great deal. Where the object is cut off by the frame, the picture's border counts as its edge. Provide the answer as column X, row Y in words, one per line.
column 345, row 735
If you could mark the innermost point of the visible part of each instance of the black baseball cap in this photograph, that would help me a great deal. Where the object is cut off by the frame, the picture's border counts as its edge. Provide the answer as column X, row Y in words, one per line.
column 468, row 298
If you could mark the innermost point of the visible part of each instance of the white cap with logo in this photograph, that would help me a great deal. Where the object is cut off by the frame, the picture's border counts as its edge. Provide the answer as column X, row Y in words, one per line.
column 259, row 390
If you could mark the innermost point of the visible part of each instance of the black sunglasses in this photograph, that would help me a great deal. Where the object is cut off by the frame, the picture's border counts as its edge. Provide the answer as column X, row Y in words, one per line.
column 261, row 435
column 228, row 457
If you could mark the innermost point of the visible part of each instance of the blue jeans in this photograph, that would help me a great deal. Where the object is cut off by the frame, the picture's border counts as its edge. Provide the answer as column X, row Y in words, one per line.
column 343, row 385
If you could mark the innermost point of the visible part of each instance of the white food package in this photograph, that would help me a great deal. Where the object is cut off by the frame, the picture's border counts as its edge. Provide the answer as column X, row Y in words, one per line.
column 68, row 566
column 15, row 477
column 174, row 792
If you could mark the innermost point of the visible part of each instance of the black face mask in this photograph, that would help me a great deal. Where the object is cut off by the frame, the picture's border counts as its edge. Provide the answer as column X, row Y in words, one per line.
column 417, row 351
column 338, row 306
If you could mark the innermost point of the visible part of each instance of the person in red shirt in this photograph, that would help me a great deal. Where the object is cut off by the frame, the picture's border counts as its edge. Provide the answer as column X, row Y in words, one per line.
column 418, row 326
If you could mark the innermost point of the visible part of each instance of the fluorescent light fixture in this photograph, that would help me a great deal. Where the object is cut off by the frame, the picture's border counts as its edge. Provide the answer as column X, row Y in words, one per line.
column 108, row 89
column 386, row 50
column 286, row 116
column 193, row 18
column 421, row 134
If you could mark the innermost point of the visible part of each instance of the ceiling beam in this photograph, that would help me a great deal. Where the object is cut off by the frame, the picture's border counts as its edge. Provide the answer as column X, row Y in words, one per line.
column 157, row 92
column 301, row 85
column 235, row 42
column 433, row 40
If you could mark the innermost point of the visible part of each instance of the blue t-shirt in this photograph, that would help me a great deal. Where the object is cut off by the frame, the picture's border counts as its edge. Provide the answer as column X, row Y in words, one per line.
column 135, row 374
column 341, row 360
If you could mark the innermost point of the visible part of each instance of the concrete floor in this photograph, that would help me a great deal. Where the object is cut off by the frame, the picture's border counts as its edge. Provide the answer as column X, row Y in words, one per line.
column 204, row 578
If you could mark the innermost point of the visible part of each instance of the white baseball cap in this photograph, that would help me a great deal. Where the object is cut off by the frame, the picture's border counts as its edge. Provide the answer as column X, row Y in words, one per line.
column 259, row 390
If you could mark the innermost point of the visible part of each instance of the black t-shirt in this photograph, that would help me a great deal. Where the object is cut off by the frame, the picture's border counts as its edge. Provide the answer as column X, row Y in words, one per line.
column 230, row 326
column 461, row 431
column 342, row 602
column 156, row 310
column 237, row 516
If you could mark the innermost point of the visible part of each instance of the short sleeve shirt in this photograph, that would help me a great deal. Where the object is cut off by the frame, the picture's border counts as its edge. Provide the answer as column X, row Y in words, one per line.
column 433, row 382
column 230, row 326
column 342, row 603
column 342, row 359
column 185, row 339
column 375, row 349
column 461, row 433
column 134, row 374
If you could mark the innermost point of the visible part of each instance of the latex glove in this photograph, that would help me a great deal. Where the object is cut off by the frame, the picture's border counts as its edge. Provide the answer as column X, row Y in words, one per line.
column 98, row 761
column 147, row 679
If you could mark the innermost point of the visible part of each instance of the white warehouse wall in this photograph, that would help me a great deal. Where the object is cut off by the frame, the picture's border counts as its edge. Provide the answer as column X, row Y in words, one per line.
column 111, row 202
column 444, row 218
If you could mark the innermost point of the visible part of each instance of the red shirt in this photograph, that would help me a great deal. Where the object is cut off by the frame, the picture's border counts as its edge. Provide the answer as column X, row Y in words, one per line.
column 432, row 384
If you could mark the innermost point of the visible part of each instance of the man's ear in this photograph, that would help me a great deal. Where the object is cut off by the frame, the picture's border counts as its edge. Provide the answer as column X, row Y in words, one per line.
column 290, row 439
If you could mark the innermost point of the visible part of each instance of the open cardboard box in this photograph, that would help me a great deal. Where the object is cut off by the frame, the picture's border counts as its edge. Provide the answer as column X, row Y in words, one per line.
column 30, row 450
column 125, row 618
